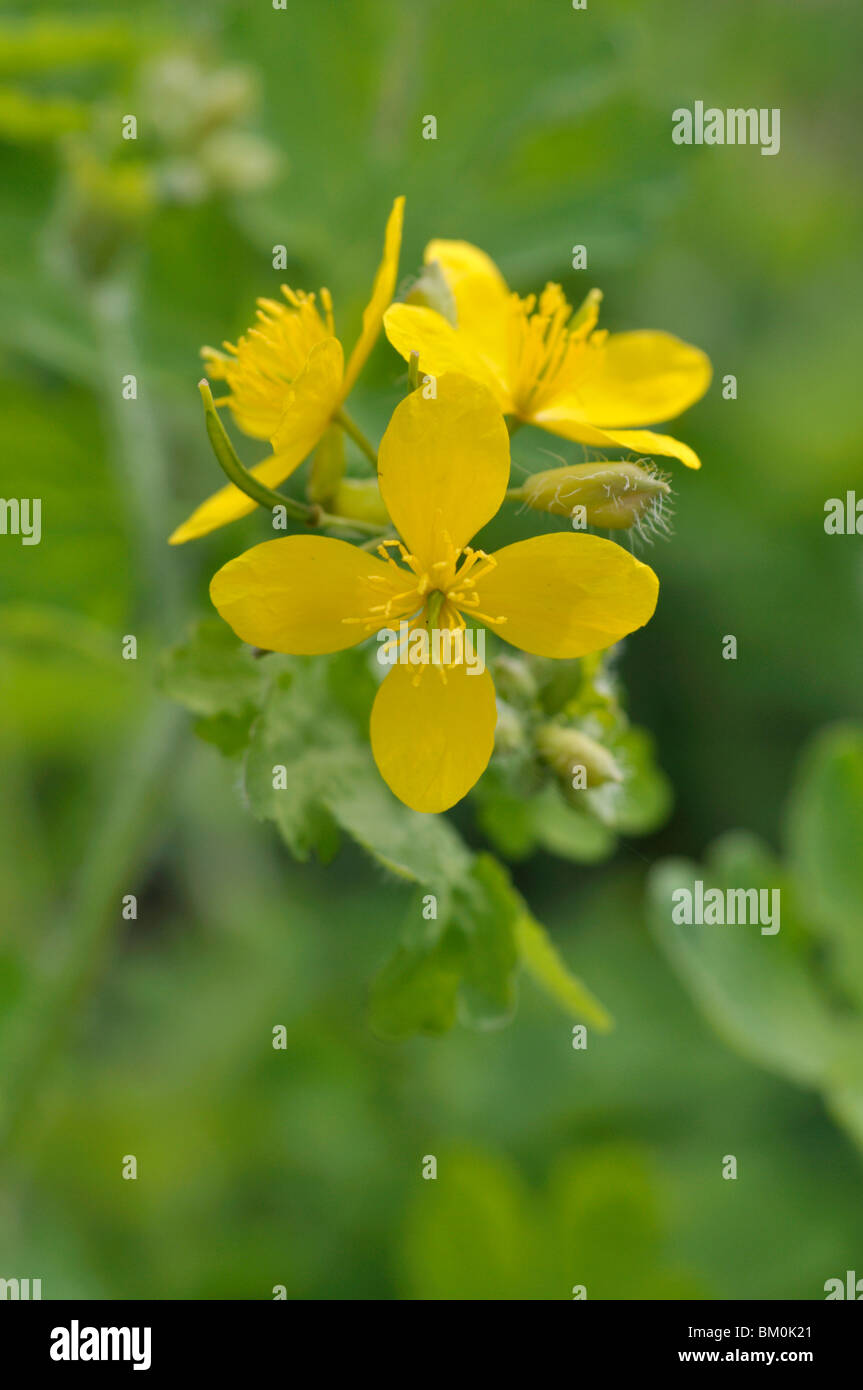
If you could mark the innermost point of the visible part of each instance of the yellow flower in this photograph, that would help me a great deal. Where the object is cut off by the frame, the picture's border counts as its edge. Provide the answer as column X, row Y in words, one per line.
column 547, row 367
column 286, row 380
column 443, row 472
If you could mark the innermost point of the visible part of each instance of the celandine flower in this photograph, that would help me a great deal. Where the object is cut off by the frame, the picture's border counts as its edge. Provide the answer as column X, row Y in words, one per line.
column 548, row 367
column 287, row 379
column 443, row 472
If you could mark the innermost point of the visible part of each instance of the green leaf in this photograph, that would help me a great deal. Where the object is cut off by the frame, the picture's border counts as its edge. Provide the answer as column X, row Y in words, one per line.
column 757, row 990
column 479, row 1232
column 825, row 838
column 643, row 800
column 486, row 909
column 301, row 752
column 518, row 826
column 567, row 831
column 543, row 963
column 213, row 672
column 471, row 1237
column 331, row 779
column 468, row 959
column 416, row 991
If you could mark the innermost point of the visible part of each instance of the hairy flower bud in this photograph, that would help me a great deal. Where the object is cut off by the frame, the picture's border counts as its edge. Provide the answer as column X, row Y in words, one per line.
column 509, row 731
column 514, row 679
column 608, row 495
column 578, row 760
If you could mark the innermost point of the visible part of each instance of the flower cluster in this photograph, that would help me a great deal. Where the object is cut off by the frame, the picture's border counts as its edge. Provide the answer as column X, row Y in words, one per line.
column 490, row 360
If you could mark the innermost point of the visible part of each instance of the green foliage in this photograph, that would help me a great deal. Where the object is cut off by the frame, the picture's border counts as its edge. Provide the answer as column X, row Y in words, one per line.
column 261, row 1167
column 598, row 1214
column 523, row 805
column 825, row 846
column 791, row 1001
column 301, row 727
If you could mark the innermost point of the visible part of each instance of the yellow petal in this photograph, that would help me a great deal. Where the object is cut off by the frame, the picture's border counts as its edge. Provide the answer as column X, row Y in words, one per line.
column 306, row 594
column 311, row 401
column 432, row 741
column 482, row 300
column 309, row 405
column 443, row 466
column 633, row 379
column 412, row 328
column 259, row 369
column 229, row 503
column 382, row 293
column 644, row 442
column 566, row 595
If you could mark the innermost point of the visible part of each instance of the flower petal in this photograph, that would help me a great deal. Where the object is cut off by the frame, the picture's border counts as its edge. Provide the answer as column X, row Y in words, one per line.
column 229, row 503
column 412, row 328
column 432, row 740
column 311, row 401
column 558, row 420
column 309, row 404
column 382, row 293
column 443, row 466
column 565, row 595
column 306, row 594
column 482, row 300
column 633, row 379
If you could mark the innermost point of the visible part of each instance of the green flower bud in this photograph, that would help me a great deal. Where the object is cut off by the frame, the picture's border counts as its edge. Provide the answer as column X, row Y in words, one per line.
column 328, row 466
column 509, row 732
column 514, row 679
column 608, row 495
column 579, row 761
column 361, row 499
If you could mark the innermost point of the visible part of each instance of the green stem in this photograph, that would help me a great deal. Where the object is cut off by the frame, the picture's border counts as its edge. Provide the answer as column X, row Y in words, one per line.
column 138, row 452
column 350, row 523
column 75, row 958
column 311, row 514
column 378, row 540
column 514, row 494
column 355, row 433
column 414, row 370
column 240, row 476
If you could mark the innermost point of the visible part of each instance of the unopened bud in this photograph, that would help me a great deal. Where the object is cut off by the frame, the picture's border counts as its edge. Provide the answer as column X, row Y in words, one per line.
column 361, row 499
column 608, row 495
column 328, row 465
column 509, row 732
column 578, row 760
column 514, row 679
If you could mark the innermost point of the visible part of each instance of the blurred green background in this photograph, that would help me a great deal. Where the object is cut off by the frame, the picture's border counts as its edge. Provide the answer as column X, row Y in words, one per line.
column 302, row 1167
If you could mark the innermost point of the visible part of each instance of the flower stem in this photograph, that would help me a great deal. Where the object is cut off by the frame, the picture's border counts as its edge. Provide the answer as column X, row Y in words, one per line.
column 234, row 470
column 355, row 433
column 310, row 513
column 348, row 523
column 71, row 969
column 414, row 370
column 377, row 540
